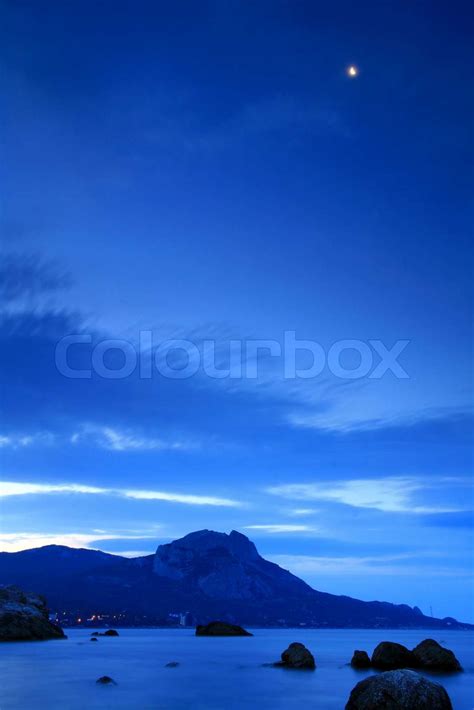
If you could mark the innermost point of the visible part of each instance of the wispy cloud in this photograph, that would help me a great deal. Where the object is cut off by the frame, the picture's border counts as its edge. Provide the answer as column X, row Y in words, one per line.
column 391, row 494
column 178, row 498
column 21, row 441
column 113, row 439
column 281, row 528
column 346, row 422
column 11, row 488
column 104, row 437
column 301, row 512
column 29, row 282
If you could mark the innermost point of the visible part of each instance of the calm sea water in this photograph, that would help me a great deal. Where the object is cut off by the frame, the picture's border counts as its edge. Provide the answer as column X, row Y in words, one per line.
column 214, row 673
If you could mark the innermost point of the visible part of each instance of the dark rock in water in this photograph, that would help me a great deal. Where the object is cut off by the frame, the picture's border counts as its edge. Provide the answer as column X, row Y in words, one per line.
column 172, row 664
column 94, row 639
column 389, row 656
column 221, row 628
column 360, row 659
column 24, row 617
column 297, row 656
column 106, row 680
column 430, row 656
column 110, row 632
column 398, row 690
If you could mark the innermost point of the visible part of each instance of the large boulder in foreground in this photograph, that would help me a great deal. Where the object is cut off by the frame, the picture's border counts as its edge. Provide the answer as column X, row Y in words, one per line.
column 221, row 628
column 390, row 656
column 297, row 656
column 430, row 656
column 360, row 659
column 24, row 617
column 398, row 690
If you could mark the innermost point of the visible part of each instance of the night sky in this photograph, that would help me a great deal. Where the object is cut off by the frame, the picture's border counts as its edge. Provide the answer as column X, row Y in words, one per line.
column 210, row 171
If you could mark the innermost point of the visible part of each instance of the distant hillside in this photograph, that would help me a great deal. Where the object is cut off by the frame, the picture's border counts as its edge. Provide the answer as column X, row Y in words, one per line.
column 208, row 574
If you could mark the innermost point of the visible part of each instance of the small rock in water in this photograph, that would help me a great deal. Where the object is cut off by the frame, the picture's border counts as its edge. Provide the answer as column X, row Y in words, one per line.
column 390, row 656
column 297, row 656
column 221, row 628
column 430, row 656
column 110, row 632
column 360, row 659
column 172, row 664
column 398, row 690
column 94, row 639
column 106, row 680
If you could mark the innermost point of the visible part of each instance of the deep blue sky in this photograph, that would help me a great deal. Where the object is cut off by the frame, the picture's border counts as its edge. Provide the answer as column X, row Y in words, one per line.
column 209, row 171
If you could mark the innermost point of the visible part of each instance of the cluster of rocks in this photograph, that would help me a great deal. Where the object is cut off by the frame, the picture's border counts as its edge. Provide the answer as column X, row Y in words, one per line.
column 109, row 632
column 24, row 617
column 395, row 689
column 429, row 655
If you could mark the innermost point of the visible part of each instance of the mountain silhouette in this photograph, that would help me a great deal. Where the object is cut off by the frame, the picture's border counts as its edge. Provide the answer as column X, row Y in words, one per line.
column 207, row 574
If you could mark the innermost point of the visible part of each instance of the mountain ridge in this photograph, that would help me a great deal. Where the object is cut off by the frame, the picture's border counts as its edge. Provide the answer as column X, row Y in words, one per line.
column 206, row 574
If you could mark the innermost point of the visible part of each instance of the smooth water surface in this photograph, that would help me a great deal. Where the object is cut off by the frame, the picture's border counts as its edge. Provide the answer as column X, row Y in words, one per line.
column 214, row 673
